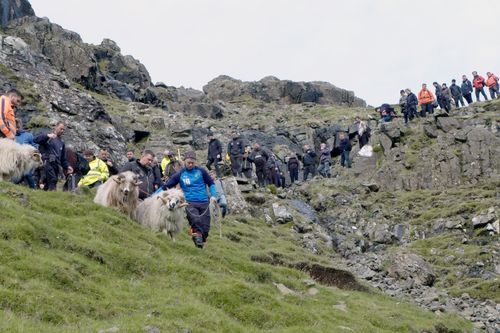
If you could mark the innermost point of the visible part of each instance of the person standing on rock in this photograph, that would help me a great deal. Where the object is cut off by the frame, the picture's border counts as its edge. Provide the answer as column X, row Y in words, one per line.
column 492, row 84
column 8, row 103
column 402, row 100
column 259, row 158
column 478, row 84
column 325, row 161
column 309, row 161
column 456, row 93
column 194, row 182
column 53, row 152
column 439, row 94
column 345, row 149
column 214, row 154
column 411, row 106
column 246, row 164
column 446, row 97
column 293, row 167
column 466, row 89
column 235, row 149
column 425, row 100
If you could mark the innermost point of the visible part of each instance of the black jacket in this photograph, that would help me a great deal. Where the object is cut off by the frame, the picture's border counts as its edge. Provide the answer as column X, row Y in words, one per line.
column 146, row 176
column 456, row 91
column 309, row 158
column 52, row 150
column 259, row 158
column 345, row 145
column 214, row 149
column 235, row 147
column 293, row 163
column 411, row 101
column 466, row 87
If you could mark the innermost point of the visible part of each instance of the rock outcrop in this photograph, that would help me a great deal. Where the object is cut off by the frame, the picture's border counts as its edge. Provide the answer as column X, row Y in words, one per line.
column 271, row 89
column 14, row 9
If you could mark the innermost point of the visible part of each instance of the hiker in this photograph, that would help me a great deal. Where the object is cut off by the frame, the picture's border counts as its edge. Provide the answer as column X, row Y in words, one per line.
column 456, row 93
column 492, row 84
column 235, row 149
column 345, row 149
column 272, row 171
column 80, row 167
column 143, row 168
column 411, row 106
column 172, row 166
column 25, row 138
column 8, row 103
column 246, row 164
column 293, row 167
column 325, row 161
column 466, row 89
column 259, row 158
column 214, row 154
column 219, row 187
column 309, row 162
column 478, row 84
column 130, row 156
column 387, row 113
column 53, row 152
column 446, row 97
column 363, row 132
column 194, row 181
column 402, row 100
column 425, row 100
column 104, row 156
column 438, row 91
column 98, row 172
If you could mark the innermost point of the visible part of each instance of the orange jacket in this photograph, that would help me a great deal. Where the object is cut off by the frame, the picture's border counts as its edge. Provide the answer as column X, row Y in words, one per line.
column 425, row 96
column 492, row 80
column 478, row 82
column 7, row 118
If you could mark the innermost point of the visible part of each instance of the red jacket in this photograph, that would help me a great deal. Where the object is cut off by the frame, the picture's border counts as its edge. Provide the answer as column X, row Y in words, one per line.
column 7, row 118
column 492, row 80
column 478, row 82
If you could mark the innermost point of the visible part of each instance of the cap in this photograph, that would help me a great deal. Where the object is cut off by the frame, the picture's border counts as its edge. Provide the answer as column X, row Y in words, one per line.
column 190, row 154
column 384, row 107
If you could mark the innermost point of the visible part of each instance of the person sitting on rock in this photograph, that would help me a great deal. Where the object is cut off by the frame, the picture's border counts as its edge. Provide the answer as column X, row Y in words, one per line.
column 345, row 149
column 387, row 113
column 325, row 161
column 98, row 172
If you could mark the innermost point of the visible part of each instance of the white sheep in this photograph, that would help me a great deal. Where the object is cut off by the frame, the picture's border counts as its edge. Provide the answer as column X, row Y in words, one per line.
column 121, row 192
column 17, row 160
column 163, row 212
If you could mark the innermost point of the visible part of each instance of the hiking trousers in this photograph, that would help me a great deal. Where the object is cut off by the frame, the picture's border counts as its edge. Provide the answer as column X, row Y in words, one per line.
column 309, row 169
column 480, row 91
column 51, row 172
column 198, row 216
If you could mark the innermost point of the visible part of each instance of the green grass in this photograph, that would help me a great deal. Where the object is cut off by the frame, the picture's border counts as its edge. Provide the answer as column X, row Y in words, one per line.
column 67, row 265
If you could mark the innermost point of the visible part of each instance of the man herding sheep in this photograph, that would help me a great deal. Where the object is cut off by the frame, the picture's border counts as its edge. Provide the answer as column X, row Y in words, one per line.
column 194, row 181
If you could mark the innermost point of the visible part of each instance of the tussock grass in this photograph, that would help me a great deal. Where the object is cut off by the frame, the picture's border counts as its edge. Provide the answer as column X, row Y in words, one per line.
column 67, row 265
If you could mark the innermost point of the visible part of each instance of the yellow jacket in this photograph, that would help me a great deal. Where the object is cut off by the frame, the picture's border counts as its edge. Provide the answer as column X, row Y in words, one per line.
column 98, row 172
column 164, row 162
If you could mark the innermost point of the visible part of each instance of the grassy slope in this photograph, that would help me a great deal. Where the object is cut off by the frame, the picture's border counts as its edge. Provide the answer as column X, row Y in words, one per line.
column 67, row 265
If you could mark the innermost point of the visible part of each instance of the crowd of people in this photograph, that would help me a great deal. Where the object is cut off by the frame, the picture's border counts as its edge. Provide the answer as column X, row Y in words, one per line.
column 443, row 97
column 254, row 162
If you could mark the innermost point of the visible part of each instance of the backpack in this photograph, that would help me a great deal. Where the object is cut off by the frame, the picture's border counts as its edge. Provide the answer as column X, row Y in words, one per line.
column 259, row 160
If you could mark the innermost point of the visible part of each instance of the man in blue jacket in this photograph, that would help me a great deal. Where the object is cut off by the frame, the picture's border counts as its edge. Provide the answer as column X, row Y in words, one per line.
column 194, row 181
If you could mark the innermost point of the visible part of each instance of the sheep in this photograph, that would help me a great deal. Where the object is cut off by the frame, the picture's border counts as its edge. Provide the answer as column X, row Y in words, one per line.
column 17, row 159
column 163, row 212
column 121, row 192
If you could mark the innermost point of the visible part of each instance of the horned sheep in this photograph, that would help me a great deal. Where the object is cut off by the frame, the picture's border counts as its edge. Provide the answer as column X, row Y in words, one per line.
column 121, row 192
column 163, row 212
column 17, row 159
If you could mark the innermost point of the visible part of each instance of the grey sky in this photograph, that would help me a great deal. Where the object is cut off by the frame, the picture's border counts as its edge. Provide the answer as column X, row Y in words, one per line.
column 374, row 47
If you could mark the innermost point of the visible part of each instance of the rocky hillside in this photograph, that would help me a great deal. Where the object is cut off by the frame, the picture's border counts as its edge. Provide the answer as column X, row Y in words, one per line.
column 419, row 220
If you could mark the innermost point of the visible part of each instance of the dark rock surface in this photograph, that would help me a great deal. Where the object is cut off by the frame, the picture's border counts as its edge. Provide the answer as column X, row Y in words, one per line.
column 14, row 9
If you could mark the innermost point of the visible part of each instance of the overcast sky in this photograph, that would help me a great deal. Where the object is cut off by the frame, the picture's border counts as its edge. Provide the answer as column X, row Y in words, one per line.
column 373, row 47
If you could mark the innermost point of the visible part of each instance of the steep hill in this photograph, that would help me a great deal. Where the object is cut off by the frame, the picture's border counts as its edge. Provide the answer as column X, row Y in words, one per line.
column 67, row 265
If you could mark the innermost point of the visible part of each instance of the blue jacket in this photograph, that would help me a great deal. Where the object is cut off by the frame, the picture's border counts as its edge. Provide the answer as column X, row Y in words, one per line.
column 466, row 87
column 25, row 138
column 193, row 183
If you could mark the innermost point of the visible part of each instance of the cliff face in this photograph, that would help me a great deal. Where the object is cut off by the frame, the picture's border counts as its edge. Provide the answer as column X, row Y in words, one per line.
column 14, row 9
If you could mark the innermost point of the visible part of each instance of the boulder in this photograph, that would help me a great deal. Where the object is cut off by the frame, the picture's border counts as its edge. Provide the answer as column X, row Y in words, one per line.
column 235, row 201
column 447, row 124
column 406, row 266
column 281, row 214
column 482, row 220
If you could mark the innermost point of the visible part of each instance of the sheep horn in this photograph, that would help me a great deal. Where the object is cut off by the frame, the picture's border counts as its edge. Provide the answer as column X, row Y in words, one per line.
column 162, row 199
column 184, row 204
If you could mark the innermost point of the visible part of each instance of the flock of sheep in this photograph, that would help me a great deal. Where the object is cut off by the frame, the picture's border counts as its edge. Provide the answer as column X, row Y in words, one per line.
column 163, row 212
